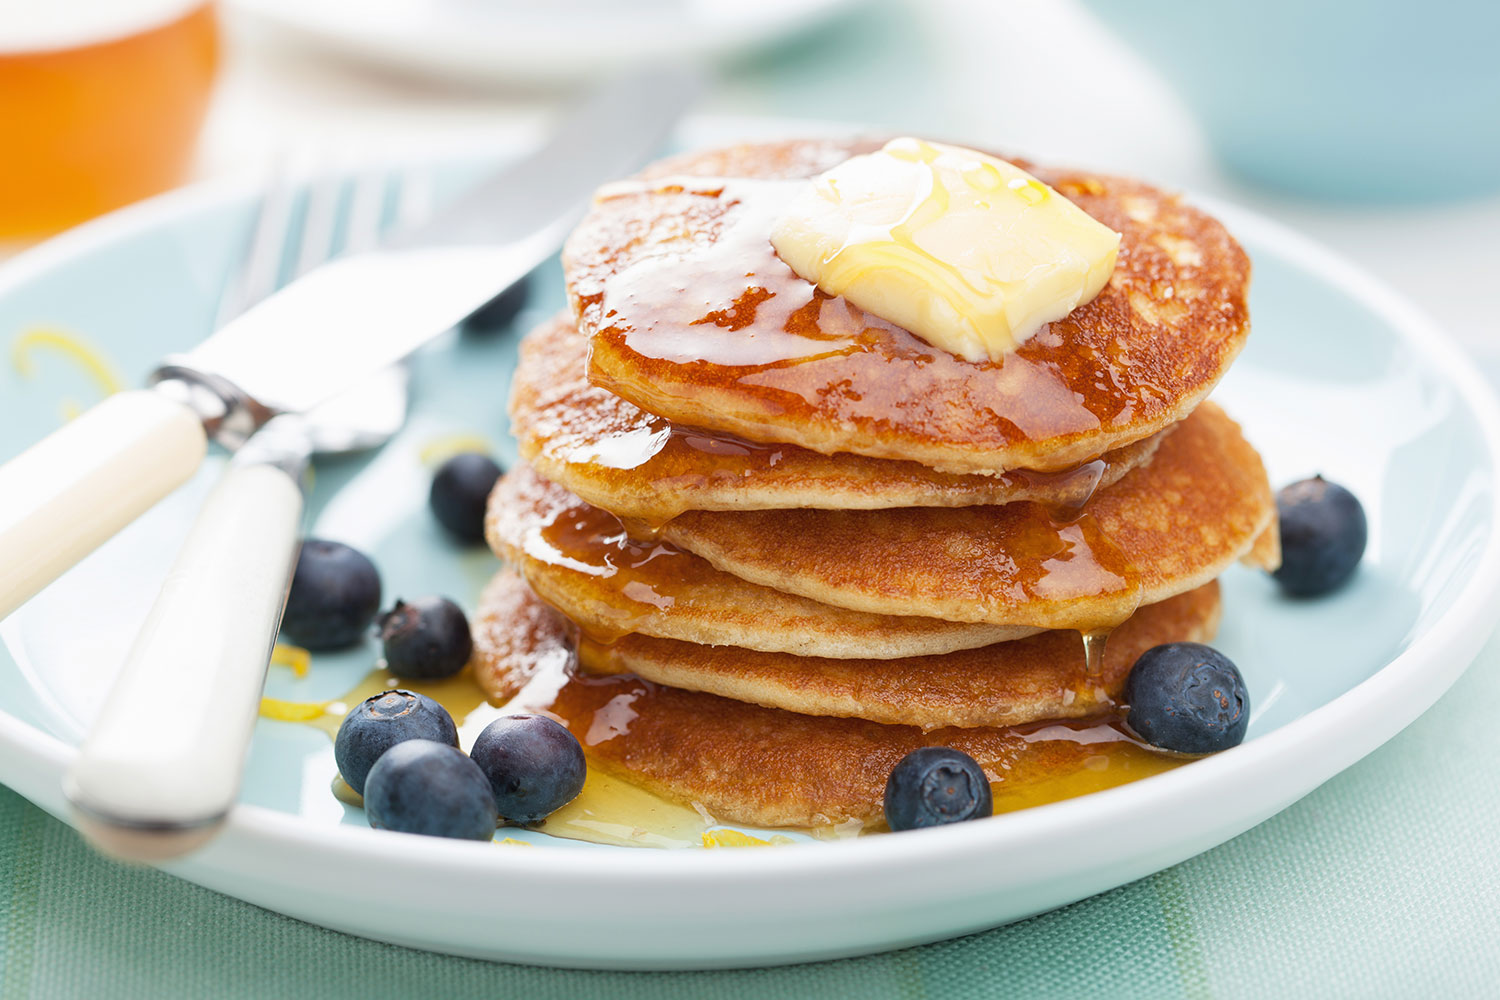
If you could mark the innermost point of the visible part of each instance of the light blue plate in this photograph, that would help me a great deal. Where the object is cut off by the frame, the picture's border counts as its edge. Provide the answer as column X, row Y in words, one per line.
column 1338, row 378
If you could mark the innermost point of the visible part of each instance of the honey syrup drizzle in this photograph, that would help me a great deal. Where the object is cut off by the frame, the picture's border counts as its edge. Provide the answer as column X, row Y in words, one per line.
column 689, row 460
column 739, row 285
column 1096, row 637
column 593, row 541
column 728, row 312
column 660, row 469
column 1055, row 552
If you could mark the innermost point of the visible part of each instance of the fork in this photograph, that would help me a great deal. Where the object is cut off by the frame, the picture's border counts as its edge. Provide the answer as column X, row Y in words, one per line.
column 160, row 770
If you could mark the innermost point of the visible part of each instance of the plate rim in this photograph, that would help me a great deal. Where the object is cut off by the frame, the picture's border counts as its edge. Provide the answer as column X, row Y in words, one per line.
column 1314, row 747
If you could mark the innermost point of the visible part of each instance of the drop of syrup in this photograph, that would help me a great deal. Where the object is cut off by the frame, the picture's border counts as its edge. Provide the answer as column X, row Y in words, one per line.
column 1094, row 640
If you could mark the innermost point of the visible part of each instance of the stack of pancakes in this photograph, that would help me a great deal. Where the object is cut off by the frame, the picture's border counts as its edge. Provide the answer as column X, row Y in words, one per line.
column 766, row 544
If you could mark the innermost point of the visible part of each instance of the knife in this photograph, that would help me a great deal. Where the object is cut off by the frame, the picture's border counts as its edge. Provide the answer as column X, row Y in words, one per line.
column 63, row 497
column 154, row 776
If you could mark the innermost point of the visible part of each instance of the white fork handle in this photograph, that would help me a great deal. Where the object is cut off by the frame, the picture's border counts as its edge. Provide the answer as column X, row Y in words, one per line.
column 63, row 497
column 168, row 749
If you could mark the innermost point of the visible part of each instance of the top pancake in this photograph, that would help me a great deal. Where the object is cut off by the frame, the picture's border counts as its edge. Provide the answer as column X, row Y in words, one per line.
column 694, row 318
column 635, row 465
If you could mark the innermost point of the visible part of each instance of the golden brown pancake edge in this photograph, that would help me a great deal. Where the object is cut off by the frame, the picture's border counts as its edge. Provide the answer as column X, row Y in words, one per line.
column 673, row 594
column 1174, row 524
column 1006, row 684
column 743, row 763
column 636, row 465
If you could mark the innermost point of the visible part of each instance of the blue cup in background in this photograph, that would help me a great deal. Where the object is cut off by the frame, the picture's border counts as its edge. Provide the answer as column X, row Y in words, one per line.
column 1353, row 100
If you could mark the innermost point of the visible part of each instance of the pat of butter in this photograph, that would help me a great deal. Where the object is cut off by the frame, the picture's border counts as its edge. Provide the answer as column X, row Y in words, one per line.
column 968, row 252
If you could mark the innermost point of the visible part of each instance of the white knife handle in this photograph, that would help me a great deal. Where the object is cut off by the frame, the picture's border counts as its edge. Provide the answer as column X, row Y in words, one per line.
column 64, row 496
column 168, row 749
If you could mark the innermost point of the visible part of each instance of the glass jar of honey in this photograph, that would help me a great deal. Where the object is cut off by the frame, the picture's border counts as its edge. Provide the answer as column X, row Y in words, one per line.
column 101, row 102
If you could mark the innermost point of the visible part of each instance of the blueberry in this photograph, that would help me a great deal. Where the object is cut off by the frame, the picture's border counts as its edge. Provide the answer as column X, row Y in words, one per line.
column 498, row 312
column 461, row 491
column 534, row 765
column 424, row 787
column 426, row 639
column 936, row 785
column 1323, row 535
column 1187, row 697
column 335, row 595
column 379, row 723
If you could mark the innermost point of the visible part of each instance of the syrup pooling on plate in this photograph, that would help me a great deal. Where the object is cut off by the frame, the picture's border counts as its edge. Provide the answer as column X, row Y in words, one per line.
column 459, row 694
column 1110, row 757
column 1028, row 765
column 607, row 811
column 726, row 310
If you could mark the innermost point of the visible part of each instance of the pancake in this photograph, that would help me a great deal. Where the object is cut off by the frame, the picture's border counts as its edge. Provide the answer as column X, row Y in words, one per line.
column 581, row 560
column 636, row 465
column 693, row 317
column 761, row 766
column 1163, row 529
column 1006, row 684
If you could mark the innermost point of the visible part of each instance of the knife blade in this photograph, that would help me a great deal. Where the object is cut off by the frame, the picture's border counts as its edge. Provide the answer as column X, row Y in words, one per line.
column 356, row 315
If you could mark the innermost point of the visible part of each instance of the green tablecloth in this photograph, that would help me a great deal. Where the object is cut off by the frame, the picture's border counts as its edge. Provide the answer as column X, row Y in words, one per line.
column 1383, row 883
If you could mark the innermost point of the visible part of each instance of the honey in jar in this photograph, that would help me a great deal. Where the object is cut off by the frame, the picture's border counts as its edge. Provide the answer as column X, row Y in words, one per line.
column 100, row 105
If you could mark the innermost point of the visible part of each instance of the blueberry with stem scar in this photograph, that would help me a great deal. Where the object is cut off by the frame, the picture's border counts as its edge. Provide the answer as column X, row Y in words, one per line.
column 1187, row 697
column 380, row 722
column 935, row 786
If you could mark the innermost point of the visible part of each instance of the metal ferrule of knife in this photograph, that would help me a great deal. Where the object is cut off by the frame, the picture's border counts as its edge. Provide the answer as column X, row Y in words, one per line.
column 228, row 415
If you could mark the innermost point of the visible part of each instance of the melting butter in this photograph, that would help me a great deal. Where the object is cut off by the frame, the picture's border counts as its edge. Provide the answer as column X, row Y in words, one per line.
column 968, row 252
